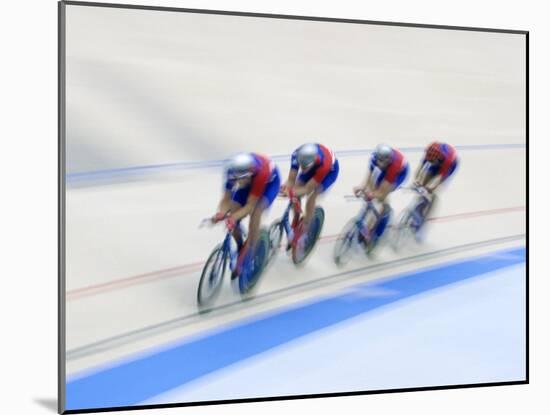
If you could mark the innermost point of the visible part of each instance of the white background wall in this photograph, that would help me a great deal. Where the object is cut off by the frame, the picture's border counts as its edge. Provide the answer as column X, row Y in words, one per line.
column 28, row 306
column 158, row 87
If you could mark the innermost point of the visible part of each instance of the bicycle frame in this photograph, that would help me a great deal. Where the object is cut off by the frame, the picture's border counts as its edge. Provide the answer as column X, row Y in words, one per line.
column 420, row 203
column 216, row 266
column 356, row 233
column 226, row 244
column 367, row 207
column 296, row 206
column 226, row 249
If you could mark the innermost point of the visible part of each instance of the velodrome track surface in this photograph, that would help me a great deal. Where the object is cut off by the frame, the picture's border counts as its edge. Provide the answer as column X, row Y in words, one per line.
column 152, row 111
column 132, row 298
column 137, row 287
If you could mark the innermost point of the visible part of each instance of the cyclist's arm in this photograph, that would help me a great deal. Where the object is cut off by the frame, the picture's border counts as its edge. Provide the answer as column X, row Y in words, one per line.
column 423, row 174
column 368, row 184
column 246, row 209
column 436, row 181
column 292, row 174
column 417, row 174
column 382, row 191
column 309, row 187
column 224, row 204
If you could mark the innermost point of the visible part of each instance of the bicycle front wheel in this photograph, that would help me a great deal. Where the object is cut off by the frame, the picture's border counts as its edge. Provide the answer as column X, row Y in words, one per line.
column 212, row 276
column 344, row 243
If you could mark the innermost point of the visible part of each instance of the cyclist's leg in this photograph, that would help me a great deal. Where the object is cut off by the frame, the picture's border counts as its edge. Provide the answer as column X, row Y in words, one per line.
column 380, row 205
column 383, row 219
column 238, row 200
column 270, row 193
column 325, row 184
column 386, row 210
column 432, row 201
column 310, row 207
column 254, row 223
column 295, row 224
column 302, row 180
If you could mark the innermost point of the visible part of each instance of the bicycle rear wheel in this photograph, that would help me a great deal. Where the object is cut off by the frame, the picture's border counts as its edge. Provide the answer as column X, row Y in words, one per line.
column 299, row 255
column 251, row 273
column 212, row 277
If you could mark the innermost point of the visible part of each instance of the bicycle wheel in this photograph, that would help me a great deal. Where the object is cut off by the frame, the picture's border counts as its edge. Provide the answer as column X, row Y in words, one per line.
column 275, row 237
column 315, row 227
column 404, row 231
column 250, row 274
column 212, row 276
column 377, row 234
column 370, row 244
column 344, row 243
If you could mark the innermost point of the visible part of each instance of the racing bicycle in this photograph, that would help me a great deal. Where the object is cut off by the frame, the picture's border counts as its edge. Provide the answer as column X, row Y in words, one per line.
column 412, row 219
column 301, row 247
column 357, row 234
column 224, row 257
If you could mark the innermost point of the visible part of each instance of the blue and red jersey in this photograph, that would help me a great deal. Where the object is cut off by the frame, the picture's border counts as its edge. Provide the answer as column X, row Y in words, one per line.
column 324, row 163
column 445, row 167
column 394, row 173
column 263, row 173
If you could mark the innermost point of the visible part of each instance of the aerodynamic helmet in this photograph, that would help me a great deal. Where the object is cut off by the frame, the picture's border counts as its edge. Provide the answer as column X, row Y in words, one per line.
column 307, row 154
column 383, row 153
column 433, row 152
column 240, row 166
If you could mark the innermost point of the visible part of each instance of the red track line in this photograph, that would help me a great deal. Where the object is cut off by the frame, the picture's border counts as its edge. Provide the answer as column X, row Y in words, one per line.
column 136, row 279
column 196, row 266
column 456, row 216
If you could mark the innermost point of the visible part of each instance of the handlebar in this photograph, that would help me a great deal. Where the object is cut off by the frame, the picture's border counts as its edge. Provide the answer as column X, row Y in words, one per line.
column 418, row 189
column 359, row 195
column 294, row 203
column 206, row 222
column 209, row 222
column 283, row 195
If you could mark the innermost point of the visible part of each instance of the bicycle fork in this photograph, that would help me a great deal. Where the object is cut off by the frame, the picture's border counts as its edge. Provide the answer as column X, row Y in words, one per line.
column 233, row 253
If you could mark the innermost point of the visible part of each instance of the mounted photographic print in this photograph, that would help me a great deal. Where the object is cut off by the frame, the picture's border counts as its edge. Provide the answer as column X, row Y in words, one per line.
column 259, row 207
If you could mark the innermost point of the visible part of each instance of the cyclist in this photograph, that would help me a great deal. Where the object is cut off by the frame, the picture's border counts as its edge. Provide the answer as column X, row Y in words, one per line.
column 252, row 182
column 438, row 164
column 313, row 169
column 388, row 169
